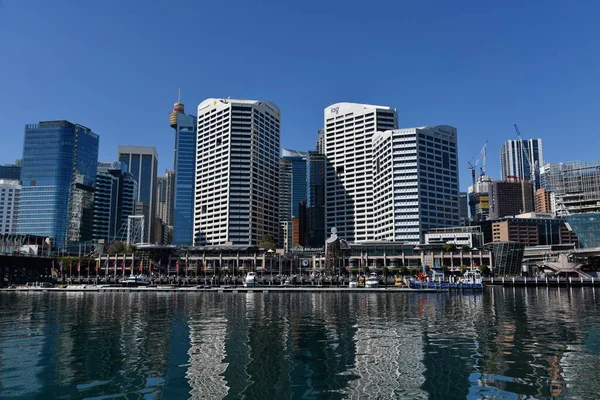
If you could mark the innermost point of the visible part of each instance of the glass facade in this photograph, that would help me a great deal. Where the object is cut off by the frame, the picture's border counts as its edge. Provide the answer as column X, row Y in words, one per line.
column 185, row 167
column 315, row 199
column 142, row 164
column 508, row 258
column 586, row 227
column 114, row 201
column 58, row 177
column 11, row 172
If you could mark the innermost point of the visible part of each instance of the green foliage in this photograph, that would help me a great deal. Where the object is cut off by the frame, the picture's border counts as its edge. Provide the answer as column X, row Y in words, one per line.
column 404, row 271
column 116, row 247
column 484, row 269
column 465, row 248
column 268, row 242
column 449, row 247
column 462, row 268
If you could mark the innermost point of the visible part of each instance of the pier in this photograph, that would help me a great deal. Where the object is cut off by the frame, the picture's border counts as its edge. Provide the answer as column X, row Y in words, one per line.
column 555, row 281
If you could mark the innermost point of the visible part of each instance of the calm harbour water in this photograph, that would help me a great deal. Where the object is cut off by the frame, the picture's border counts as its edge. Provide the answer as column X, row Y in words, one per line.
column 505, row 344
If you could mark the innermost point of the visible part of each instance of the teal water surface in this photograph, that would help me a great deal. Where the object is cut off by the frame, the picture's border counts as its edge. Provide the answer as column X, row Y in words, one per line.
column 505, row 344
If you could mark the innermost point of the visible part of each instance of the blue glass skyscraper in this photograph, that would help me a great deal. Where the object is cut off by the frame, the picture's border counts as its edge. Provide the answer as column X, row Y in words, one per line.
column 292, row 192
column 185, row 167
column 58, row 176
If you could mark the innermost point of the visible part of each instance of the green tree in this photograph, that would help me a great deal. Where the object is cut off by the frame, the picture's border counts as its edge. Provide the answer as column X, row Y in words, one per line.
column 465, row 248
column 449, row 247
column 268, row 242
column 462, row 269
column 404, row 271
column 484, row 269
column 116, row 247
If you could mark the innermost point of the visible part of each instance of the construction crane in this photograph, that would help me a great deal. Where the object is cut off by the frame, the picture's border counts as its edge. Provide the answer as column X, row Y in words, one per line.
column 481, row 157
column 526, row 156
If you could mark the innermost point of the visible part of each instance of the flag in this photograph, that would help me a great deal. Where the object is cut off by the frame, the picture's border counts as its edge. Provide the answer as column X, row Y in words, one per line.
column 123, row 265
column 141, row 266
column 106, row 264
column 60, row 266
column 177, row 266
column 96, row 267
column 70, row 267
column 89, row 269
column 79, row 266
column 186, row 266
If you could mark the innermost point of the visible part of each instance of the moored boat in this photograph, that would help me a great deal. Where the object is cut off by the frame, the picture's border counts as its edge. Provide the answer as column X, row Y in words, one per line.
column 138, row 280
column 471, row 280
column 373, row 281
column 250, row 280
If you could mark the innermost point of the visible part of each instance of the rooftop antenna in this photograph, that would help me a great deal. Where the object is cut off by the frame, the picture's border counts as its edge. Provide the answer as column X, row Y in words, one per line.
column 179, row 95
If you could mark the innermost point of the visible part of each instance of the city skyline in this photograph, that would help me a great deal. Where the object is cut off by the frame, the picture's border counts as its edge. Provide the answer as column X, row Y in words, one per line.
column 485, row 77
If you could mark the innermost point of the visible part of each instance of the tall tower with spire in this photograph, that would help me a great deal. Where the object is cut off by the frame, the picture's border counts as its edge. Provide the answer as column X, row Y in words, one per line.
column 184, row 161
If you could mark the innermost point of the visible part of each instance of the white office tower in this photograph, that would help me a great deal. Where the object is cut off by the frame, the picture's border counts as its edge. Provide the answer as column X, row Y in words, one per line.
column 349, row 129
column 522, row 159
column 415, row 182
column 237, row 172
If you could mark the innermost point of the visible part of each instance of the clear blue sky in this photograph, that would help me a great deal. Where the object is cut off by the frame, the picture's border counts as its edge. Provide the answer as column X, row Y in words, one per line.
column 115, row 67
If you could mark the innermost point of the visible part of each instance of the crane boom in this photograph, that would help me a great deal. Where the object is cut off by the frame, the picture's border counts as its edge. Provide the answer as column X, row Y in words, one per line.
column 481, row 156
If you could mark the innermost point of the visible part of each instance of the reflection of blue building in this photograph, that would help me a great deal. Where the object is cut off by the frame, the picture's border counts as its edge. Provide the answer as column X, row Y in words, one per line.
column 185, row 167
column 587, row 228
column 58, row 177
column 142, row 163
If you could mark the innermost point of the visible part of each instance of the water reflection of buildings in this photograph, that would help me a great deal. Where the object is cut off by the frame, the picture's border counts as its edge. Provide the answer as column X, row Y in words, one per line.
column 19, row 368
column 206, row 354
column 388, row 359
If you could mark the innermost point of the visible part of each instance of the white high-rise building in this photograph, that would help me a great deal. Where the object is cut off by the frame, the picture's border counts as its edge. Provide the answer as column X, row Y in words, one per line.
column 237, row 172
column 9, row 203
column 515, row 156
column 415, row 182
column 347, row 145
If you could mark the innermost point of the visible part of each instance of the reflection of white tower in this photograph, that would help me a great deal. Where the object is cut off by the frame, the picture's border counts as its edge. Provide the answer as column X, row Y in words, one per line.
column 207, row 352
column 388, row 359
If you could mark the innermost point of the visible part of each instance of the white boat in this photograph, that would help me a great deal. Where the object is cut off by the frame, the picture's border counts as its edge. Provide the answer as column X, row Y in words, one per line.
column 353, row 284
column 138, row 280
column 373, row 281
column 251, row 280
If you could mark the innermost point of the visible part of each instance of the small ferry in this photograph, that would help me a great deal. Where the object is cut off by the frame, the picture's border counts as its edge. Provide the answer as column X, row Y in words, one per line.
column 139, row 280
column 250, row 280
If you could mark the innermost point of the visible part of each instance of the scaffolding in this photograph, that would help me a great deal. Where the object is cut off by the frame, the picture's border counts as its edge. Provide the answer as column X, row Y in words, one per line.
column 574, row 186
